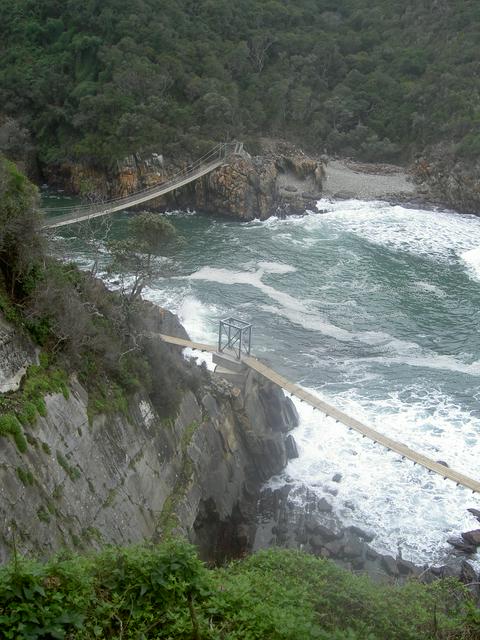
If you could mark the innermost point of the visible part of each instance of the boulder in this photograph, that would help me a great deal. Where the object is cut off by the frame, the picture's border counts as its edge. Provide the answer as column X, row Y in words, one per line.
column 389, row 564
column 371, row 554
column 475, row 513
column 337, row 477
column 361, row 533
column 324, row 506
column 325, row 534
column 406, row 568
column 472, row 537
column 291, row 447
column 353, row 549
column 335, row 548
column 461, row 545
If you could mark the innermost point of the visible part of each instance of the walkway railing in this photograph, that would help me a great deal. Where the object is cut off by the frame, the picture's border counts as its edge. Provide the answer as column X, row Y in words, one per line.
column 215, row 158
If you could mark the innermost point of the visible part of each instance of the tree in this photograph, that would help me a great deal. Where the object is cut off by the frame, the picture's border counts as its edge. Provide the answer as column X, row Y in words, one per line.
column 20, row 244
column 135, row 259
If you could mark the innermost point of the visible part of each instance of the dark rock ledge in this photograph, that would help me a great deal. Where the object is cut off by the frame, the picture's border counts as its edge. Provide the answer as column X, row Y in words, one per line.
column 294, row 517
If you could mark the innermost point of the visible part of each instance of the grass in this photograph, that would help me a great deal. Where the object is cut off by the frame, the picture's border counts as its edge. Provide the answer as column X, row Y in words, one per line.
column 21, row 408
column 25, row 476
column 72, row 472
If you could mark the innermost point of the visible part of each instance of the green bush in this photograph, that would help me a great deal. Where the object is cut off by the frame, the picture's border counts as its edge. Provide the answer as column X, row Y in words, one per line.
column 166, row 592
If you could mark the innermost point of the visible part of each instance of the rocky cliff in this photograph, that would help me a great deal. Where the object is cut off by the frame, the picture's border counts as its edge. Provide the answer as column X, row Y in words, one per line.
column 129, row 476
column 281, row 180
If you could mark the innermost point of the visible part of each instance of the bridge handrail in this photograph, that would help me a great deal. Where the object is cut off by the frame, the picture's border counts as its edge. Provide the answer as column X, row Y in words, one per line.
column 181, row 172
column 219, row 153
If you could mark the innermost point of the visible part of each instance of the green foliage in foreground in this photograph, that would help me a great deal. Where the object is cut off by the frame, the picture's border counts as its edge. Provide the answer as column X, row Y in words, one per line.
column 166, row 592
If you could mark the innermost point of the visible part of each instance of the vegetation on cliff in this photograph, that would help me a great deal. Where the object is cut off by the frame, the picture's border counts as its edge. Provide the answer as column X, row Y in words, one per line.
column 79, row 326
column 96, row 81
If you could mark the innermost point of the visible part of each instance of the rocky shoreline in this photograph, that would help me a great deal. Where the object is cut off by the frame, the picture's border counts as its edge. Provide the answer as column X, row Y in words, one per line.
column 292, row 516
column 280, row 180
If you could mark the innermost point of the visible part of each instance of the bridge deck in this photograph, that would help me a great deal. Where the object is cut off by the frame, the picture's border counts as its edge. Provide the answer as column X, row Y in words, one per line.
column 331, row 411
column 161, row 190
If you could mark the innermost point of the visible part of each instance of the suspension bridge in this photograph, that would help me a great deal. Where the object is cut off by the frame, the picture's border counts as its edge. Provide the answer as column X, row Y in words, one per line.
column 217, row 157
column 327, row 409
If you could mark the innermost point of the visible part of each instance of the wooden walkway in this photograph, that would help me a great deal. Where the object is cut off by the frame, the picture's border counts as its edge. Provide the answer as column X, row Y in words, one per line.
column 352, row 423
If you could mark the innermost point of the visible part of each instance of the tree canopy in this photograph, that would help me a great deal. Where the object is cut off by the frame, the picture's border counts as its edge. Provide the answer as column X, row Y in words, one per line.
column 379, row 79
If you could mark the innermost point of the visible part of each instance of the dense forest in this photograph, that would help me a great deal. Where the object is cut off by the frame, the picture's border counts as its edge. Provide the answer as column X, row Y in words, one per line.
column 95, row 80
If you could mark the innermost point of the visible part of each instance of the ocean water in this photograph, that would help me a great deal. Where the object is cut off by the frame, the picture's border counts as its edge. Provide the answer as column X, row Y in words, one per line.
column 375, row 308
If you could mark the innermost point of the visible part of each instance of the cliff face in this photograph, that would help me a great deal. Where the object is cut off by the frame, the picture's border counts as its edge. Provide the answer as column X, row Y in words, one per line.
column 281, row 181
column 128, row 477
column 449, row 181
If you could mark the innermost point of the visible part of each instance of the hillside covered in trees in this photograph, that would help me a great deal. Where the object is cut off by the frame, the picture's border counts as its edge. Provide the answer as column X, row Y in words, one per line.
column 96, row 80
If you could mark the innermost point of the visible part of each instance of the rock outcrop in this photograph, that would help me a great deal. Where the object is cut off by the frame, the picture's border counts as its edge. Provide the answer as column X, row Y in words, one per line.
column 293, row 516
column 16, row 354
column 448, row 180
column 126, row 477
column 280, row 181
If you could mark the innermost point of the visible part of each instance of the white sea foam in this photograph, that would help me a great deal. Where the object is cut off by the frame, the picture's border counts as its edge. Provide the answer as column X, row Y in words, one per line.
column 291, row 308
column 432, row 234
column 472, row 260
column 428, row 287
column 409, row 509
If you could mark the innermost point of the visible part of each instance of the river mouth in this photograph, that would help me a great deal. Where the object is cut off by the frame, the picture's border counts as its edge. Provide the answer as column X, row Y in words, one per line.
column 373, row 307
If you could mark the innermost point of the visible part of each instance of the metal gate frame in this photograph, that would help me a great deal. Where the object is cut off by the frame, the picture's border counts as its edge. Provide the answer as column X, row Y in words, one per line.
column 235, row 335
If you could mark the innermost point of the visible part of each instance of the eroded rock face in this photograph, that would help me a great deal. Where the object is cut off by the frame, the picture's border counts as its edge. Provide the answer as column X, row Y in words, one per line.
column 125, row 478
column 448, row 180
column 261, row 187
column 16, row 354
column 281, row 181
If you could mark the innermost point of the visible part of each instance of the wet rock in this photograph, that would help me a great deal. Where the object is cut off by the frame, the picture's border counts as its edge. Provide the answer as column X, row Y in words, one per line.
column 443, row 463
column 353, row 549
column 332, row 491
column 467, row 573
column 291, row 447
column 475, row 513
column 361, row 533
column 371, row 554
column 389, row 564
column 326, row 534
column 472, row 537
column 358, row 564
column 324, row 506
column 335, row 547
column 461, row 545
column 337, row 477
column 290, row 188
column 406, row 568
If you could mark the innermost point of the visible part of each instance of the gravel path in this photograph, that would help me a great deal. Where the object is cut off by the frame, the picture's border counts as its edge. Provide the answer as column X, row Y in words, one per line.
column 347, row 179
